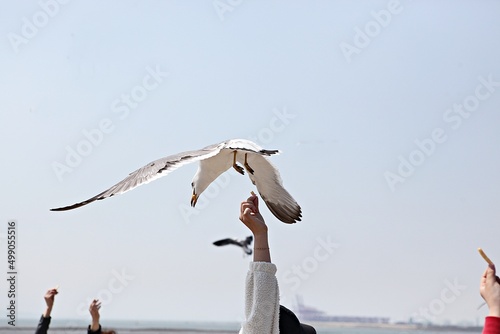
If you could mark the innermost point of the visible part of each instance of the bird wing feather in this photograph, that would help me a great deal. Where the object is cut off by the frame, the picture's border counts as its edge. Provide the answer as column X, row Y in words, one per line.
column 150, row 172
column 227, row 241
column 268, row 181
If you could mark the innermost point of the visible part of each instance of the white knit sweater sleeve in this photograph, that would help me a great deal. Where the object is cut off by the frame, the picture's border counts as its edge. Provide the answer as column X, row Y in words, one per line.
column 261, row 300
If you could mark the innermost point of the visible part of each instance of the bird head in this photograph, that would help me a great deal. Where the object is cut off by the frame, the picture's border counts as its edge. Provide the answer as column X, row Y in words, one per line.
column 208, row 170
column 199, row 185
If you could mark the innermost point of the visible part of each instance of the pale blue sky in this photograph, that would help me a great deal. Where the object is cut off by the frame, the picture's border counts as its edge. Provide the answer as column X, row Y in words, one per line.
column 349, row 121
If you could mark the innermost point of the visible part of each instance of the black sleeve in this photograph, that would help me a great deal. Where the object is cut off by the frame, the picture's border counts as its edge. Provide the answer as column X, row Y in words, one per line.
column 43, row 325
column 98, row 331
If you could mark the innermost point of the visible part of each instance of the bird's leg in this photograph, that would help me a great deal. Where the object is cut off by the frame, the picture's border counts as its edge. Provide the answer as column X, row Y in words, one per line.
column 247, row 166
column 239, row 169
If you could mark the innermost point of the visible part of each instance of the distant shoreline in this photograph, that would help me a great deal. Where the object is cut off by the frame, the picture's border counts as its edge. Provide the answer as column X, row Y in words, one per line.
column 70, row 326
column 317, row 325
column 31, row 330
column 407, row 327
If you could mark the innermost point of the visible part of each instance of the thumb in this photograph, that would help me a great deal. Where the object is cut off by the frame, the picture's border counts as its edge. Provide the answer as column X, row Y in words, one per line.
column 248, row 212
column 256, row 204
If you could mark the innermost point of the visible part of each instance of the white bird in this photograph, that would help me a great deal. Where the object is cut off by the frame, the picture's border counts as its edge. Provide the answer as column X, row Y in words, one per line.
column 243, row 243
column 213, row 161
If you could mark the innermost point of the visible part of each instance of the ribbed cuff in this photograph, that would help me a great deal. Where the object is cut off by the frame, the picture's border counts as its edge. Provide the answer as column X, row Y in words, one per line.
column 266, row 267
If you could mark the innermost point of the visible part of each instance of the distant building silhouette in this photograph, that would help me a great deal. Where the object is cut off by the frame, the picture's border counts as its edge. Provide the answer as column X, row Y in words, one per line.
column 308, row 313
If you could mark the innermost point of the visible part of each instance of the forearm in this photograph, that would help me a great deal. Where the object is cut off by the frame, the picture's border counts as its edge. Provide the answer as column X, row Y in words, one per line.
column 494, row 312
column 94, row 327
column 494, row 307
column 47, row 312
column 261, row 251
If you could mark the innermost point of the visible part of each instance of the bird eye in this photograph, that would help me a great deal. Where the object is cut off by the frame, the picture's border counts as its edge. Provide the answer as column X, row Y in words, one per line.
column 192, row 184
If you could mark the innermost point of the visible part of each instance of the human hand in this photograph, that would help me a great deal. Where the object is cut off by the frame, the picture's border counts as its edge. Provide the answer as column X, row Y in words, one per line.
column 490, row 290
column 94, row 312
column 49, row 300
column 251, row 217
column 49, row 297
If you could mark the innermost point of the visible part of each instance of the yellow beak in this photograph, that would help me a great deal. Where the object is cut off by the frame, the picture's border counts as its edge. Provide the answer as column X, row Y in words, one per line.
column 194, row 199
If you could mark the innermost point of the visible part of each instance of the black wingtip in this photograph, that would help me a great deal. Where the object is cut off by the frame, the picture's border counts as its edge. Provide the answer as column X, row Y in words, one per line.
column 221, row 242
column 77, row 205
column 66, row 208
column 286, row 214
column 269, row 152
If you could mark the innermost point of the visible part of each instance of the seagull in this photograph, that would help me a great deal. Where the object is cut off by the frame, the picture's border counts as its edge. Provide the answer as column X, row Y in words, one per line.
column 243, row 243
column 213, row 161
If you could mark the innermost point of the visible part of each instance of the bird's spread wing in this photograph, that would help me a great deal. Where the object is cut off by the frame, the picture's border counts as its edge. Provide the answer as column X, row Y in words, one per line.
column 150, row 172
column 268, row 182
column 224, row 242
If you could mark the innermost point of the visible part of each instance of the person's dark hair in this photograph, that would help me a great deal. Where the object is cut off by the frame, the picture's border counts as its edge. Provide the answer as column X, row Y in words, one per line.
column 290, row 324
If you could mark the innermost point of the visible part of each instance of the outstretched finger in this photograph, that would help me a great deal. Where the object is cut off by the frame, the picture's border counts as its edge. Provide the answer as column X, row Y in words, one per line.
column 255, row 202
column 251, row 198
column 95, row 304
column 489, row 275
